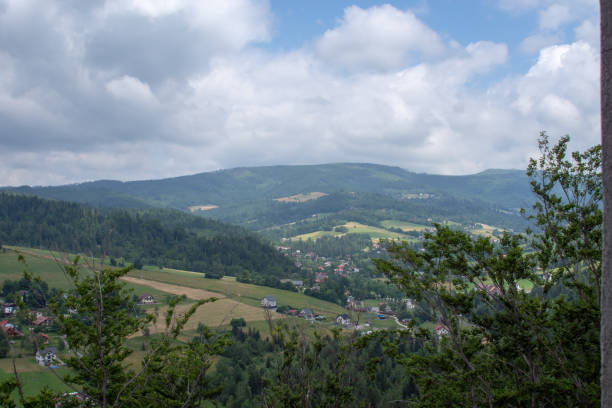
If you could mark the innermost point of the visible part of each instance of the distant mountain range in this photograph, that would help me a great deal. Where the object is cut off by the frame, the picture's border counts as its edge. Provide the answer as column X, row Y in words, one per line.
column 263, row 197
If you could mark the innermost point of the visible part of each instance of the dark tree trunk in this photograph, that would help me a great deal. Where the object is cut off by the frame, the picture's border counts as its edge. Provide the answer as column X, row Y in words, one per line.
column 606, row 138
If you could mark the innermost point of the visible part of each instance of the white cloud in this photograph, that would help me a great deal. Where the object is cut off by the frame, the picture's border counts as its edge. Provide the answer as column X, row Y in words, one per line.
column 150, row 8
column 534, row 43
column 235, row 22
column 131, row 89
column 381, row 87
column 557, row 21
column 588, row 31
column 379, row 37
column 560, row 93
column 554, row 16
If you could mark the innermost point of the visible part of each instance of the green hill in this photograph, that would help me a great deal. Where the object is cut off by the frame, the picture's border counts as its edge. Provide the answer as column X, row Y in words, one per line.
column 261, row 197
column 154, row 237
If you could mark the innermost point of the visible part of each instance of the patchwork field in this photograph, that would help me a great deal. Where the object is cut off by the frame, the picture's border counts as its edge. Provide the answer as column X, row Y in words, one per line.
column 214, row 314
column 191, row 293
column 240, row 292
column 375, row 233
column 177, row 282
column 195, row 208
column 485, row 230
column 300, row 198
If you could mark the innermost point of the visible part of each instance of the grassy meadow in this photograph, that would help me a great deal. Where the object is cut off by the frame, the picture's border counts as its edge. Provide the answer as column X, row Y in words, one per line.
column 375, row 233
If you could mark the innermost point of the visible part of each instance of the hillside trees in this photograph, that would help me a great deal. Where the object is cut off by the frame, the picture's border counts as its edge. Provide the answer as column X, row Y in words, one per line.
column 497, row 345
column 166, row 238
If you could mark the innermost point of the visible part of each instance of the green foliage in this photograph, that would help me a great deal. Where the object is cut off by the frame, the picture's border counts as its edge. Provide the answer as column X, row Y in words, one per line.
column 505, row 347
column 4, row 344
column 569, row 214
column 240, row 322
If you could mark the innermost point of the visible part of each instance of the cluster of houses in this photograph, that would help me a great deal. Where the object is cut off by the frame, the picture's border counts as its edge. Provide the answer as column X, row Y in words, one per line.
column 269, row 302
column 344, row 320
column 10, row 310
column 323, row 266
column 48, row 355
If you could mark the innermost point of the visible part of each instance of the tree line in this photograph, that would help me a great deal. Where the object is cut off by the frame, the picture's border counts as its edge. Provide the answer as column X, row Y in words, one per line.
column 166, row 238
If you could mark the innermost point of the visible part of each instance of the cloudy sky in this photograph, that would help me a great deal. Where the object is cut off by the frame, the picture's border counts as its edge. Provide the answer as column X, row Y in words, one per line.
column 142, row 89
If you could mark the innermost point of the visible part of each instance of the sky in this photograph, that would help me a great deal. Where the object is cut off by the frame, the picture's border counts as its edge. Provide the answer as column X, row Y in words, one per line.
column 149, row 89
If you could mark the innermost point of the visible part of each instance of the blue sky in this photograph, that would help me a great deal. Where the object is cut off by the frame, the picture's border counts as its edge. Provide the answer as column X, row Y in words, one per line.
column 140, row 89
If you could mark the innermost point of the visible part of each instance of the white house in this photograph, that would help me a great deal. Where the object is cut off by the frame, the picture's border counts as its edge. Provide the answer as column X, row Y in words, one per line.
column 46, row 356
column 268, row 302
column 343, row 319
column 146, row 299
column 441, row 330
column 10, row 308
column 307, row 313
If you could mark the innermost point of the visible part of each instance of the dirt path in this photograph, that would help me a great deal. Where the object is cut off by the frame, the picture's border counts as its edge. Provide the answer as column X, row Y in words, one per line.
column 191, row 293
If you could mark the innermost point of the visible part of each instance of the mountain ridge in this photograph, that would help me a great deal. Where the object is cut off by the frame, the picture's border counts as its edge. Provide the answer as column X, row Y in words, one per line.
column 248, row 196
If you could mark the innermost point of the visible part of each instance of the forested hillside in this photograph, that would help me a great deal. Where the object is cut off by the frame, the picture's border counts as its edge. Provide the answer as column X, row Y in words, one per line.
column 262, row 197
column 504, row 187
column 166, row 238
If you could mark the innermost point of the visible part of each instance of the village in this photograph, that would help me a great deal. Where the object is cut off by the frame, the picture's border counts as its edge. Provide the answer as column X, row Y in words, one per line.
column 33, row 333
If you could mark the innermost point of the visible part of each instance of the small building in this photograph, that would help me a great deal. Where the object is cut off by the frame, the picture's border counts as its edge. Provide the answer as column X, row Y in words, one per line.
column 42, row 321
column 146, row 299
column 294, row 282
column 320, row 277
column 441, row 330
column 9, row 308
column 46, row 356
column 269, row 302
column 307, row 313
column 410, row 303
column 9, row 329
column 343, row 319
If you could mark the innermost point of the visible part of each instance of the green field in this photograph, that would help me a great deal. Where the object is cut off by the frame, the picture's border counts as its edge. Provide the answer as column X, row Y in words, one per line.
column 36, row 379
column 51, row 272
column 405, row 225
column 375, row 233
column 48, row 270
